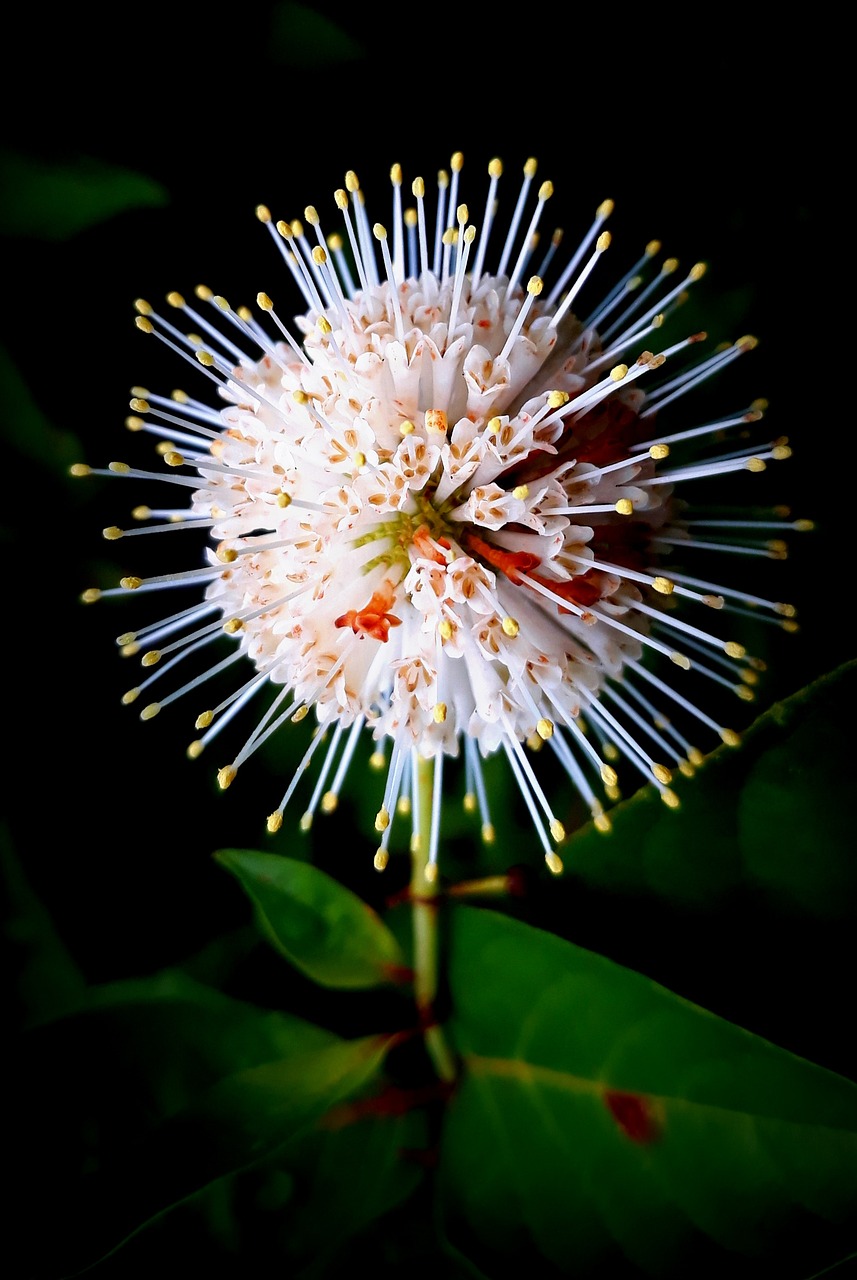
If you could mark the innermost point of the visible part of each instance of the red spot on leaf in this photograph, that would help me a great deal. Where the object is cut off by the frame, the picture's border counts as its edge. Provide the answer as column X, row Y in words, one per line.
column 635, row 1116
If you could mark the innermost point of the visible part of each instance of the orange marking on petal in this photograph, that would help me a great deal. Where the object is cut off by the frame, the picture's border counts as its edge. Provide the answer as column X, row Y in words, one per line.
column 512, row 563
column 374, row 619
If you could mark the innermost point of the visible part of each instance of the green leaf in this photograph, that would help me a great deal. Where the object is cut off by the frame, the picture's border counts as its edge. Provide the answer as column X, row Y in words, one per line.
column 54, row 201
column 305, row 39
column 165, row 1089
column 24, row 425
column 358, row 1160
column 47, row 981
column 775, row 814
column 600, row 1115
column 320, row 926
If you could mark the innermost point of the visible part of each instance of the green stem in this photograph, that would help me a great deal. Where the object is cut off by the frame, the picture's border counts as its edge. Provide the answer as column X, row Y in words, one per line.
column 425, row 905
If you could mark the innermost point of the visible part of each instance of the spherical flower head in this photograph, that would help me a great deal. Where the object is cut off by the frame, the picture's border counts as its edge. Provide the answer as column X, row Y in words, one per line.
column 440, row 507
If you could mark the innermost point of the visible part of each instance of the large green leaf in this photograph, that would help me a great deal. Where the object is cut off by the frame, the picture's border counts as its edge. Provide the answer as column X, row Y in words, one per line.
column 53, row 201
column 164, row 1089
column 775, row 814
column 318, row 924
column 601, row 1116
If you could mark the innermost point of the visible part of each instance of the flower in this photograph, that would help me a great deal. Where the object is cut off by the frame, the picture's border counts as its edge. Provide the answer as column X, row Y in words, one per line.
column 448, row 515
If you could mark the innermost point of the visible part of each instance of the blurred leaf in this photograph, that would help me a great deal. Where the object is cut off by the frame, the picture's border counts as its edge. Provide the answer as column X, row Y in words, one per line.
column 599, row 1115
column 776, row 814
column 364, row 1158
column 24, row 425
column 47, row 981
column 319, row 925
column 166, row 1088
column 302, row 38
column 53, row 201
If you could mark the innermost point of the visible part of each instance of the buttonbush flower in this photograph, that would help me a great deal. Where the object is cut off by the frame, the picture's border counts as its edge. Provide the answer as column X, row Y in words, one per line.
column 447, row 508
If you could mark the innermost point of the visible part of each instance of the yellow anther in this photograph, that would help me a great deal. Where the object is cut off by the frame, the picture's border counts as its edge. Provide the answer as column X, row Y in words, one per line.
column 446, row 630
column 111, row 533
column 377, row 761
column 139, row 405
column 556, row 399
column 781, row 452
column 745, row 694
column 418, row 187
column 221, row 302
column 603, row 241
column 730, row 737
column 439, row 712
column 680, row 660
column 662, row 773
column 359, row 459
column 530, row 167
column 144, row 324
column 379, row 231
column 204, row 720
column 174, row 459
column 554, row 863
column 609, row 776
column 659, row 452
column 670, row 798
column 624, row 507
column 544, row 729
column 406, row 427
column 284, row 500
column 119, row 468
column 131, row 696
column 149, row 713
column 205, row 358
column 324, row 326
column 664, row 586
column 469, row 802
column 488, row 833
column 195, row 749
column 319, row 256
column 450, row 236
column 382, row 820
column 232, row 626
column 381, row 859
column 263, row 301
column 130, row 583
column 151, row 658
column 329, row 801
column 226, row 776
column 618, row 372
column 510, row 626
column 263, row 213
column 305, row 822
column 430, row 872
column 80, row 469
column 535, row 284
column 144, row 307
column 275, row 821
column 494, row 425
column 602, row 823
column 785, row 610
column 747, row 343
column 127, row 637
column 734, row 650
column 403, row 806
column 695, row 756
column 297, row 228
column 227, row 555
column 521, row 491
column 134, row 423
column 714, row 602
column 804, row 526
column 686, row 769
column 411, row 217
column 130, row 650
